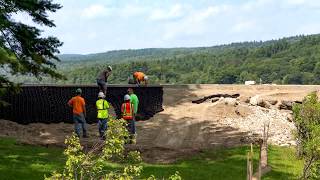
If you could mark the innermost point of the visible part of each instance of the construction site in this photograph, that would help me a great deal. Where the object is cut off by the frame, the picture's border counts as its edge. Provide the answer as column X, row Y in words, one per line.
column 179, row 120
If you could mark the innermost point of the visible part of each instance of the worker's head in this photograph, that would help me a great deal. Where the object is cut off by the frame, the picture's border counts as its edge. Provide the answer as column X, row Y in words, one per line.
column 127, row 97
column 145, row 78
column 78, row 91
column 130, row 91
column 101, row 95
column 109, row 68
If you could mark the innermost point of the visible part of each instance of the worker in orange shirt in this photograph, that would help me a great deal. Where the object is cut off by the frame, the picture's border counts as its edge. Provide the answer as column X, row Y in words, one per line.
column 139, row 78
column 79, row 113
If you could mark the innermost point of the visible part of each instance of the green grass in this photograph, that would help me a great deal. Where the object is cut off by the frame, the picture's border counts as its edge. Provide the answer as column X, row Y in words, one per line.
column 31, row 162
column 230, row 164
column 27, row 162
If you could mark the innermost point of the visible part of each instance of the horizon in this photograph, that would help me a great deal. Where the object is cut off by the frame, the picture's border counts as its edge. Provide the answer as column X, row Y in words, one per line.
column 239, row 42
column 89, row 27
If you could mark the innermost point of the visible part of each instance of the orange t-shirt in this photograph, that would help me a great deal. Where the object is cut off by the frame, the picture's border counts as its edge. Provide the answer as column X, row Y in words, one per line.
column 139, row 76
column 77, row 104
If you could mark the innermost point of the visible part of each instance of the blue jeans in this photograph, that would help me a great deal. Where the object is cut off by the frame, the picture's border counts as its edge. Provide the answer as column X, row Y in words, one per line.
column 102, row 126
column 131, row 126
column 80, row 122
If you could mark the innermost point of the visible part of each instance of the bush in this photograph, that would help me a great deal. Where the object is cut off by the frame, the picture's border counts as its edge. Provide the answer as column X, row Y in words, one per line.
column 307, row 121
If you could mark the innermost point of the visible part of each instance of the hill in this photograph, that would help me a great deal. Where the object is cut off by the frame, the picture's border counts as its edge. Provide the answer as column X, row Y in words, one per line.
column 293, row 60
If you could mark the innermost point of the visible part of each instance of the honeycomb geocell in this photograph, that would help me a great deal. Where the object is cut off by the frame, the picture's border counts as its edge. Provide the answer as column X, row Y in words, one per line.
column 48, row 103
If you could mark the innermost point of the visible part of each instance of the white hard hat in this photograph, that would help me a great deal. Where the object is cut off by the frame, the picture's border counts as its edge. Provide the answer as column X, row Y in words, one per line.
column 101, row 95
column 145, row 78
column 126, row 97
column 110, row 68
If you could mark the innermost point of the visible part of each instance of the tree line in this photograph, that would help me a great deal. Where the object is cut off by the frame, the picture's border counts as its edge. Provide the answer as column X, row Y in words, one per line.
column 283, row 61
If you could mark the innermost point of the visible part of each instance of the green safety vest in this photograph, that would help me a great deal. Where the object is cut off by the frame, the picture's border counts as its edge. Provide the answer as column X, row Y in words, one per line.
column 102, row 109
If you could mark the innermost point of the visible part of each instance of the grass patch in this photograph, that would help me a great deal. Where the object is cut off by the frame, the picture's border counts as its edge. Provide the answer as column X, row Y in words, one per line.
column 230, row 164
column 32, row 162
column 27, row 162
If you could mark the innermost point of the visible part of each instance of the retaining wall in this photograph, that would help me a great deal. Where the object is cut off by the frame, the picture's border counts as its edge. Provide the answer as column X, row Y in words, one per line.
column 48, row 103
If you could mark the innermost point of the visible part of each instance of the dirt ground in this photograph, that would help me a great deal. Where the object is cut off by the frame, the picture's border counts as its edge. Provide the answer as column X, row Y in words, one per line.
column 184, row 128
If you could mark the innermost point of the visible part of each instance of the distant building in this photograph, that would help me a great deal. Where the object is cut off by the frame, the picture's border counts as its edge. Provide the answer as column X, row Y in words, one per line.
column 249, row 82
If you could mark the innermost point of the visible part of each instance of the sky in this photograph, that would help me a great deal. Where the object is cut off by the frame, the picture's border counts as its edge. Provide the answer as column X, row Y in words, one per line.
column 91, row 26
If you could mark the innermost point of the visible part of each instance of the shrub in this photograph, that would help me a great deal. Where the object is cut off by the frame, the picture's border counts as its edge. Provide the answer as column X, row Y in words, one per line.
column 307, row 121
column 93, row 164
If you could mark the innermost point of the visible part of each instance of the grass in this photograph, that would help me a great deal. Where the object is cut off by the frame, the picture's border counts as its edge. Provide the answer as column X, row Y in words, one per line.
column 32, row 162
column 19, row 161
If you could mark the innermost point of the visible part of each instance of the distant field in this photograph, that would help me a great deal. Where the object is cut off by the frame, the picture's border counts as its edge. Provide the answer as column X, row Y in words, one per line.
column 19, row 161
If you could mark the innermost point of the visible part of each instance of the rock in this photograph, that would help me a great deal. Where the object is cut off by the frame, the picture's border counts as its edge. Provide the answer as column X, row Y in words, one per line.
column 272, row 102
column 255, row 100
column 287, row 105
column 247, row 100
column 230, row 101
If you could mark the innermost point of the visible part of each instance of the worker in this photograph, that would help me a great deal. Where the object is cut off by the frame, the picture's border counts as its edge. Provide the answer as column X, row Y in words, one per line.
column 138, row 78
column 102, row 114
column 79, row 113
column 127, row 111
column 134, row 101
column 102, row 79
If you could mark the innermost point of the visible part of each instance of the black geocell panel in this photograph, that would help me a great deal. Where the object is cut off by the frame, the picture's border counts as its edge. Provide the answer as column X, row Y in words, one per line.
column 48, row 103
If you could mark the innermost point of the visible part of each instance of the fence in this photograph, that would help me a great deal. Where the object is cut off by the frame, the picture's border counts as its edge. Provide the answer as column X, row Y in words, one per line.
column 48, row 103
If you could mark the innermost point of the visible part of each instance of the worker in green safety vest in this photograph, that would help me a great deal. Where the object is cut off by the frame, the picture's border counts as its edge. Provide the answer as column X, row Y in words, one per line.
column 102, row 114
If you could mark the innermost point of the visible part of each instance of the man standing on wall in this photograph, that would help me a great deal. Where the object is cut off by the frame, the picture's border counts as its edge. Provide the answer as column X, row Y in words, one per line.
column 79, row 113
column 102, row 79
column 103, row 115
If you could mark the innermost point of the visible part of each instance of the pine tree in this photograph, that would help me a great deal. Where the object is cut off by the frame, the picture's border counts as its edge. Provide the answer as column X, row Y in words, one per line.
column 23, row 51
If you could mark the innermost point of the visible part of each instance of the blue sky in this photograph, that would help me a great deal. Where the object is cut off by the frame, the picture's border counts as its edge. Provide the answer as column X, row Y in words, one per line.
column 90, row 26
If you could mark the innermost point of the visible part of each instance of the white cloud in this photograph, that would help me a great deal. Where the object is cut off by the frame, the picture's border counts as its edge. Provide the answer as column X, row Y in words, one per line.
column 175, row 11
column 243, row 26
column 130, row 10
column 95, row 10
column 195, row 23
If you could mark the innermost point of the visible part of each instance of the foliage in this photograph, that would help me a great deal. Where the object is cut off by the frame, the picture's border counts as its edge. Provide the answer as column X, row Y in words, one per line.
column 93, row 164
column 23, row 50
column 293, row 60
column 307, row 121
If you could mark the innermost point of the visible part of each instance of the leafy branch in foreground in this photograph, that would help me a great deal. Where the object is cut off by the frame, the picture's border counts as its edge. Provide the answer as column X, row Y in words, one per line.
column 307, row 121
column 94, row 163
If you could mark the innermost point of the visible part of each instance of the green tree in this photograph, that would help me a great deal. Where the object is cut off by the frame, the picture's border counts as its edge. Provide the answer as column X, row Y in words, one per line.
column 23, row 51
column 307, row 121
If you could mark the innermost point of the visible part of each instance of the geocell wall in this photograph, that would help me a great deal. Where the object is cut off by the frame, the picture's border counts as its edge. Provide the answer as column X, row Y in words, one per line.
column 48, row 103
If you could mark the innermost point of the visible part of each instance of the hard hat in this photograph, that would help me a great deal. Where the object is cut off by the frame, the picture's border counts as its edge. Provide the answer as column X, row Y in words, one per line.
column 110, row 68
column 145, row 78
column 101, row 95
column 126, row 97
column 79, row 91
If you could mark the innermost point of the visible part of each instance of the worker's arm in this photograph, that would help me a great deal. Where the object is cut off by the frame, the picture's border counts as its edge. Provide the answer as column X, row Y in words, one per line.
column 84, row 110
column 70, row 102
column 106, row 105
column 108, row 74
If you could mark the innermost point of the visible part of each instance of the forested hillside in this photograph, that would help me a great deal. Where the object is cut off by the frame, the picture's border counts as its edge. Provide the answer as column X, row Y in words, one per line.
column 294, row 60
